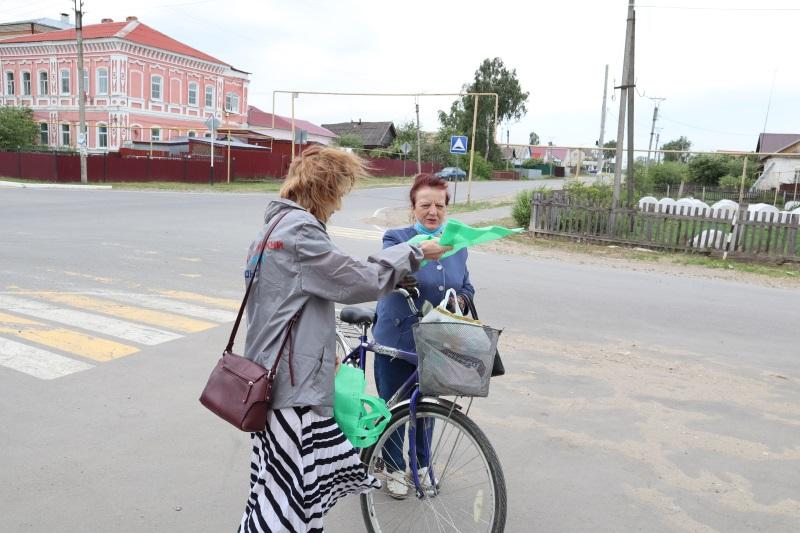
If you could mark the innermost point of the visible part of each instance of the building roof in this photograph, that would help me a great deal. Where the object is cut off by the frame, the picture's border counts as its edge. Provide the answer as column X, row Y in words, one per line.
column 44, row 21
column 541, row 152
column 372, row 133
column 775, row 142
column 132, row 30
column 261, row 119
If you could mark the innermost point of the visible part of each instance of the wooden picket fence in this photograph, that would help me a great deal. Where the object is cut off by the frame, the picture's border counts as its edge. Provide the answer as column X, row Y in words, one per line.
column 688, row 229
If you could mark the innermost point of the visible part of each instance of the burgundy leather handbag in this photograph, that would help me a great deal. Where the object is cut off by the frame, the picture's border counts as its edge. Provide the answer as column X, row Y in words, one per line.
column 239, row 390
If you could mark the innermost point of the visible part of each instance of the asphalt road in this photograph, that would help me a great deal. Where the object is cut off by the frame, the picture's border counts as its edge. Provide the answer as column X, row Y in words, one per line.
column 634, row 401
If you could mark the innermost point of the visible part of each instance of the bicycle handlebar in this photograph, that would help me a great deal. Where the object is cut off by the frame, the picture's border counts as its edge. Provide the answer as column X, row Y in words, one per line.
column 409, row 299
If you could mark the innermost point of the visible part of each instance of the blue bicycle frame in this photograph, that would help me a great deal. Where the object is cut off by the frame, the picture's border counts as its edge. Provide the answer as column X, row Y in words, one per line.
column 410, row 385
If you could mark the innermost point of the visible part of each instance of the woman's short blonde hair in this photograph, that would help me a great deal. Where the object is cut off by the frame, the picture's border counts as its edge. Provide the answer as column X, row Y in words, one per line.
column 320, row 177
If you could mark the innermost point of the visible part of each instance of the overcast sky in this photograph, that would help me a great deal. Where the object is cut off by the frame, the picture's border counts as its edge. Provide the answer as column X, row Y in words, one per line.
column 714, row 62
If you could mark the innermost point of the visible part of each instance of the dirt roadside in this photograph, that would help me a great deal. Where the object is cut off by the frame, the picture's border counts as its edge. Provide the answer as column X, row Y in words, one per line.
column 697, row 266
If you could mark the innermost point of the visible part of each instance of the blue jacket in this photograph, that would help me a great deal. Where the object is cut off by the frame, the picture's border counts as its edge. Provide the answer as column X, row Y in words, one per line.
column 393, row 325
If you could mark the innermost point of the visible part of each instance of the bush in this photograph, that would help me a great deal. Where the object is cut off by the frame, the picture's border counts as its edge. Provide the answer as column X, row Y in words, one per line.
column 349, row 140
column 707, row 169
column 597, row 193
column 481, row 168
column 532, row 163
column 668, row 173
column 734, row 182
column 521, row 210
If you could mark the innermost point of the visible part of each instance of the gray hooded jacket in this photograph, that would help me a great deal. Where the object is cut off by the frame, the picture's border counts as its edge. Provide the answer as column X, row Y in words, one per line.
column 302, row 268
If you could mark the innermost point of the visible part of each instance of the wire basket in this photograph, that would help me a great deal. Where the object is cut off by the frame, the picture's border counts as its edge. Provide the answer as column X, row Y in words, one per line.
column 455, row 359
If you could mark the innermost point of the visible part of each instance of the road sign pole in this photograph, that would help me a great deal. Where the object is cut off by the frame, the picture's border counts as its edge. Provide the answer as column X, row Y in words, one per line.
column 211, row 174
column 455, row 180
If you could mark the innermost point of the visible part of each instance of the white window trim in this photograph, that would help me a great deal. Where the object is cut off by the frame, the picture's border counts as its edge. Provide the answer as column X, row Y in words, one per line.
column 39, row 83
column 97, row 80
column 230, row 110
column 97, row 140
column 160, row 133
column 61, row 81
column 191, row 134
column 13, row 91
column 46, row 130
column 213, row 100
column 196, row 94
column 61, row 134
column 132, row 129
column 22, row 83
column 160, row 88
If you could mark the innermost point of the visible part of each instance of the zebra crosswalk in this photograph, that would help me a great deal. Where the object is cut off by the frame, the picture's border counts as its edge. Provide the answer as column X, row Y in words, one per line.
column 353, row 233
column 52, row 334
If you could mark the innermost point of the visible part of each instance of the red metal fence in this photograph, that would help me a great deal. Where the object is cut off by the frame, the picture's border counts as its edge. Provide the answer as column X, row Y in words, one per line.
column 134, row 165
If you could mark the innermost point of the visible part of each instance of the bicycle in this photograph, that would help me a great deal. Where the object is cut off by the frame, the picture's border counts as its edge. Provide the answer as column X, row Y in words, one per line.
column 461, row 486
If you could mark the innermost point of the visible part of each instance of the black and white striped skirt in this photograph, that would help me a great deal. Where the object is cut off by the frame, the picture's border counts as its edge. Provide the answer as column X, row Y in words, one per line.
column 301, row 465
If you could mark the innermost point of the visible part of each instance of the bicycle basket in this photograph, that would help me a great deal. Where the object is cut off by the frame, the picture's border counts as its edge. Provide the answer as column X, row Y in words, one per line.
column 455, row 358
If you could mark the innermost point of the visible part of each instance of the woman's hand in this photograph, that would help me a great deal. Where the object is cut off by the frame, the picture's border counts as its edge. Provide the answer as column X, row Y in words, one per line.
column 432, row 250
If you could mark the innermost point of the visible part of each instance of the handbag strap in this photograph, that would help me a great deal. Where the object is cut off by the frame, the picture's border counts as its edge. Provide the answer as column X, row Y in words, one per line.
column 229, row 347
column 288, row 338
column 470, row 306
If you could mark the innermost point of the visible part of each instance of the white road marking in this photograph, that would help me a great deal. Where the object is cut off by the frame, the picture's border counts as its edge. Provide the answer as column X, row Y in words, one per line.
column 37, row 362
column 167, row 304
column 88, row 321
column 352, row 233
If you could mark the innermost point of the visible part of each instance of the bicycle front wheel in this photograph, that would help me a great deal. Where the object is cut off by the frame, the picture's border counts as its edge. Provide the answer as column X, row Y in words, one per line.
column 466, row 492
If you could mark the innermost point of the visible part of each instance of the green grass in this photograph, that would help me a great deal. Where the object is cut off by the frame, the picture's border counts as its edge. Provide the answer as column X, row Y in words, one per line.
column 786, row 270
column 477, row 206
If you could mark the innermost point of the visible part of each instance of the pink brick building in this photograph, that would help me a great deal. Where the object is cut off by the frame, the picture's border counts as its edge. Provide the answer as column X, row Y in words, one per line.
column 140, row 85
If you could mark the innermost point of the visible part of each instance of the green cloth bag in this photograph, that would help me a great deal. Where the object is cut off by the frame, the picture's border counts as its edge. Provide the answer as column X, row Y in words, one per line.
column 362, row 427
column 460, row 235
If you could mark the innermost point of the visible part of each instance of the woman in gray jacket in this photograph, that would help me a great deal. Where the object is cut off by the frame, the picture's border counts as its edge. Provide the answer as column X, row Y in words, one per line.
column 302, row 463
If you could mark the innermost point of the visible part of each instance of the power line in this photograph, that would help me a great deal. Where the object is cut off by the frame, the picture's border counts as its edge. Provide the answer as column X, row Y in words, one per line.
column 731, row 9
column 705, row 129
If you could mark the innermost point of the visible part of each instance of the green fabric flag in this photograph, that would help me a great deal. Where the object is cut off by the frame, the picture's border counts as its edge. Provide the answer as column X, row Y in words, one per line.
column 460, row 235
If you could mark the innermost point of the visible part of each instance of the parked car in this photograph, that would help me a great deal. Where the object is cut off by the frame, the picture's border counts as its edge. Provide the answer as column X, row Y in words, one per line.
column 452, row 173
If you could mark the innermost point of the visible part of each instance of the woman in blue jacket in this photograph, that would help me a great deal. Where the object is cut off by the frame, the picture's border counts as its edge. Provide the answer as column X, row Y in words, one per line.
column 429, row 199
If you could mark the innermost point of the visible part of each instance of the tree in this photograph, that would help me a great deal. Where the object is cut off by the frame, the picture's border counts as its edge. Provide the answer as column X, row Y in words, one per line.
column 17, row 128
column 492, row 76
column 406, row 133
column 611, row 154
column 708, row 169
column 681, row 144
column 534, row 138
column 735, row 167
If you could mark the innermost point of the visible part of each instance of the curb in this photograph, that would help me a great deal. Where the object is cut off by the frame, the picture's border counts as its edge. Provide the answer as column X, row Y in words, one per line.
column 20, row 185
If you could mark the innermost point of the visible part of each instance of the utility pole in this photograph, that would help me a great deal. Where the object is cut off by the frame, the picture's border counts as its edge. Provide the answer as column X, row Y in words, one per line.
column 294, row 95
column 419, row 143
column 472, row 147
column 623, row 100
column 631, row 94
column 658, row 155
column 603, row 124
column 83, row 140
column 653, row 129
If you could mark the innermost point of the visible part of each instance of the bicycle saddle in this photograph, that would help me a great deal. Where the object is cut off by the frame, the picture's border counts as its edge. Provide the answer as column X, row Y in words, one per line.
column 357, row 315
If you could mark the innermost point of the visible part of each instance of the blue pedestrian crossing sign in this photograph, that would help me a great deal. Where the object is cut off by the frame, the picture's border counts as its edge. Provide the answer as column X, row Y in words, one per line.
column 458, row 144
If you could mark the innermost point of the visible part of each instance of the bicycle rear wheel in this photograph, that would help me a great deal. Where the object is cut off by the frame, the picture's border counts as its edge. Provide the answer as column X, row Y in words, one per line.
column 468, row 493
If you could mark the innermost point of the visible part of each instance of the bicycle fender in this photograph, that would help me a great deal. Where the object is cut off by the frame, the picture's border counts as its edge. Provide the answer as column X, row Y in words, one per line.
column 426, row 399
